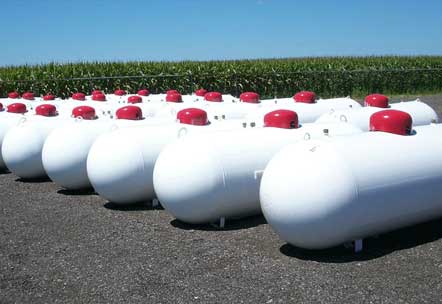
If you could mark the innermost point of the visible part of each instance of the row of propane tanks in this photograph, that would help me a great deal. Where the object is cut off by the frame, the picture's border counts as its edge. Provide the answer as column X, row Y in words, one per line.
column 310, row 166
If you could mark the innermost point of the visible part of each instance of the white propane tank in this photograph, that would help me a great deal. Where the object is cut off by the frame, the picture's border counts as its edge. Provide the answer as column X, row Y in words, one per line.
column 318, row 194
column 22, row 145
column 134, row 152
column 206, row 177
column 65, row 150
column 10, row 117
column 421, row 113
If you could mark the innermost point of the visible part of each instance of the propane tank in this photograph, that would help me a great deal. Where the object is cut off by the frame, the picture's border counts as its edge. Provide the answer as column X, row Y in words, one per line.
column 421, row 113
column 22, row 146
column 134, row 152
column 319, row 194
column 205, row 177
column 10, row 117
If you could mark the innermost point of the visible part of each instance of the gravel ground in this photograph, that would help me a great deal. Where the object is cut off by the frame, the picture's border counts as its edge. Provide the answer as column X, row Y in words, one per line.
column 59, row 246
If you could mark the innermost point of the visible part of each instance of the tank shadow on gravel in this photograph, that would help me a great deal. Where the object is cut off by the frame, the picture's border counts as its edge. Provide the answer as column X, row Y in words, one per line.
column 232, row 224
column 374, row 247
column 143, row 206
column 77, row 192
column 33, row 180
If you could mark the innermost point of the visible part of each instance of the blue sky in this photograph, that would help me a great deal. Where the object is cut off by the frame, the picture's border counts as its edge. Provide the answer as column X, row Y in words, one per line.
column 35, row 31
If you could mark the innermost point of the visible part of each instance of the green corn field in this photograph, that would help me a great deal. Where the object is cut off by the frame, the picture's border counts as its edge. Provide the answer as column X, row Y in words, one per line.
column 327, row 76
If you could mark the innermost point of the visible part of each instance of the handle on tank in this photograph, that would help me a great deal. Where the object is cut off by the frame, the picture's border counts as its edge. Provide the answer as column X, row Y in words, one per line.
column 343, row 118
column 21, row 121
column 182, row 132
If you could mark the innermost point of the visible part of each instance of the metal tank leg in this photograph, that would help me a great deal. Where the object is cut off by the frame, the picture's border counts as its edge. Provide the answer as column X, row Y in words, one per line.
column 222, row 222
column 358, row 245
column 155, row 203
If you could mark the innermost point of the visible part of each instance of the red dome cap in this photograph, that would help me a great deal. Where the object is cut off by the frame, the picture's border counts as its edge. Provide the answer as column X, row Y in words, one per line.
column 391, row 121
column 214, row 97
column 192, row 116
column 129, row 112
column 28, row 96
column 49, row 97
column 284, row 119
column 97, row 92
column 46, row 110
column 79, row 96
column 143, row 92
column 13, row 95
column 84, row 112
column 99, row 97
column 120, row 92
column 201, row 92
column 134, row 99
column 376, row 100
column 1, row 107
column 172, row 92
column 17, row 107
column 305, row 97
column 174, row 97
column 250, row 97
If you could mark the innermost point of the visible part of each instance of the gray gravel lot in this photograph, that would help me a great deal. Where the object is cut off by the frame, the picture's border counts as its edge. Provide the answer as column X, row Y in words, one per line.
column 58, row 246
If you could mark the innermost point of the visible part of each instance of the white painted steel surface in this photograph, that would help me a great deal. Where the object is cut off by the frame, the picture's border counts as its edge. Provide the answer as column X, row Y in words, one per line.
column 22, row 146
column 318, row 194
